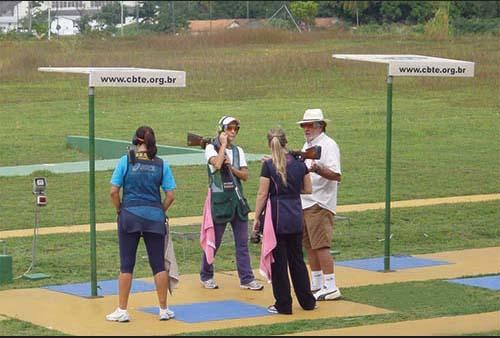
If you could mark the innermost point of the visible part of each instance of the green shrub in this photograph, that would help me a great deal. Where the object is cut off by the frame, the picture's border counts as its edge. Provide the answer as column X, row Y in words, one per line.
column 462, row 26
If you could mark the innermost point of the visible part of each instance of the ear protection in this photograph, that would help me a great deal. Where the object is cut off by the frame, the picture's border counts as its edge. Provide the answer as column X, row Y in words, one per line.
column 220, row 126
column 224, row 121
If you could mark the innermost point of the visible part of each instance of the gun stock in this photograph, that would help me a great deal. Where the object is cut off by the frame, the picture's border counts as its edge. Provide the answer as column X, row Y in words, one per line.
column 197, row 140
column 312, row 153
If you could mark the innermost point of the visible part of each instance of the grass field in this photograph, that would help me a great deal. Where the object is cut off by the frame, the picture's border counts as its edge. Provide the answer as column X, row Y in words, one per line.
column 445, row 143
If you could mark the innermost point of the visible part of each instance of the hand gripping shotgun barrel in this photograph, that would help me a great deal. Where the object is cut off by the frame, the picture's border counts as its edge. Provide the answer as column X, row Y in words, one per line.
column 312, row 153
column 197, row 140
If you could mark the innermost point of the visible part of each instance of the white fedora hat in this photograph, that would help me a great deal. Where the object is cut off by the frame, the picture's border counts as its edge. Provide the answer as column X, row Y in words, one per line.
column 313, row 115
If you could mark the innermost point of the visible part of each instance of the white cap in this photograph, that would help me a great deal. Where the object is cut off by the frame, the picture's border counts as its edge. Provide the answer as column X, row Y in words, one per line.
column 225, row 121
column 313, row 115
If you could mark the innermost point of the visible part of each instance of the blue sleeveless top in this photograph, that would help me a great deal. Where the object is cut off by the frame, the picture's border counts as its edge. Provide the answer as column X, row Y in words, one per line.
column 142, row 208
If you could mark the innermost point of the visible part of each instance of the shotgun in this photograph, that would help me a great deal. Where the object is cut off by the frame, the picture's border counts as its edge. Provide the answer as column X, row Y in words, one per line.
column 312, row 153
column 197, row 140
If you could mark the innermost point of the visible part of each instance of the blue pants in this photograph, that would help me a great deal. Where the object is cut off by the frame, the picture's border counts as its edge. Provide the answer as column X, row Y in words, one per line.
column 155, row 246
column 240, row 231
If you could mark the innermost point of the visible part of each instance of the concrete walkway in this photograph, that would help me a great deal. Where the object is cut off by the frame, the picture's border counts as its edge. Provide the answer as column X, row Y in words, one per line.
column 444, row 326
column 196, row 220
column 59, row 310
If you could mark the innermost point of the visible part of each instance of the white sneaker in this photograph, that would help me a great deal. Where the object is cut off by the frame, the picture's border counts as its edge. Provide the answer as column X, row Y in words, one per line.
column 166, row 314
column 118, row 316
column 253, row 285
column 325, row 294
column 209, row 284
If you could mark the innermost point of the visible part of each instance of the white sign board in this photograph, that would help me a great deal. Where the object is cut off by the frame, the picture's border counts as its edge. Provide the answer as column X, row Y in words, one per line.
column 126, row 77
column 416, row 65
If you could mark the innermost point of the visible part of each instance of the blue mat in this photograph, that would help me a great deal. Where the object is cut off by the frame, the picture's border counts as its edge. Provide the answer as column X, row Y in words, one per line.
column 397, row 263
column 487, row 282
column 208, row 311
column 104, row 288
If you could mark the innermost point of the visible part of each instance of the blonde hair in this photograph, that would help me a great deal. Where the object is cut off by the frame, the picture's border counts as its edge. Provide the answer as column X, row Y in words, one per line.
column 277, row 141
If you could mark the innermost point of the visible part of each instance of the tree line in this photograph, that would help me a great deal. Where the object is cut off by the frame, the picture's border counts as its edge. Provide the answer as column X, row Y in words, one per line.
column 173, row 16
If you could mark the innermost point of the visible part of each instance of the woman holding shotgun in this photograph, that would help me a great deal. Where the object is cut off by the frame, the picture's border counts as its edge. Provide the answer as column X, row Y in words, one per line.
column 225, row 203
column 283, row 178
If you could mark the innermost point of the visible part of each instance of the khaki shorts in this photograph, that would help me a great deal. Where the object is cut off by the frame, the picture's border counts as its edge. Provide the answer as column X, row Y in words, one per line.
column 318, row 228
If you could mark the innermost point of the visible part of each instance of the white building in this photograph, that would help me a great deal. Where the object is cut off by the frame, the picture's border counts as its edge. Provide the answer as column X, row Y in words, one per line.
column 63, row 14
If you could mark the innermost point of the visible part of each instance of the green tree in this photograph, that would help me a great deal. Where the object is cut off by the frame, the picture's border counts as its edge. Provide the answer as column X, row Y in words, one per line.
column 83, row 23
column 475, row 9
column 305, row 12
column 109, row 15
column 169, row 19
column 148, row 11
column 438, row 27
column 355, row 7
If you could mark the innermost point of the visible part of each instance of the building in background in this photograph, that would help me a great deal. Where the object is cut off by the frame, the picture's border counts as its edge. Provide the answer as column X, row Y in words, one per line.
column 63, row 14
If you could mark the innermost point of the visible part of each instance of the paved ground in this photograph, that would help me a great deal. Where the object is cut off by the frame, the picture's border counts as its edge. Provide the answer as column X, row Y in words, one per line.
column 81, row 316
column 444, row 326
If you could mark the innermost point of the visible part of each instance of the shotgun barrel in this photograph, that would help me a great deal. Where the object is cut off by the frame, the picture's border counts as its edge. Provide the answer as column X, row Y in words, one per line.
column 312, row 153
column 197, row 140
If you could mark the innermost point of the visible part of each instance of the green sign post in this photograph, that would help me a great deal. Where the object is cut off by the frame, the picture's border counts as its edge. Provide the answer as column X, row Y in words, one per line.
column 113, row 77
column 406, row 65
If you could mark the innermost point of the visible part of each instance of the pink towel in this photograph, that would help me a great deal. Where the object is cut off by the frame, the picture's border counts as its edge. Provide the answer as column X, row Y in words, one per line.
column 207, row 231
column 268, row 244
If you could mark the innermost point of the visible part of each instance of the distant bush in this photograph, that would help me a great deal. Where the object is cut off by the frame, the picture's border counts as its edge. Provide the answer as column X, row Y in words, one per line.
column 13, row 35
column 388, row 29
column 462, row 26
column 281, row 24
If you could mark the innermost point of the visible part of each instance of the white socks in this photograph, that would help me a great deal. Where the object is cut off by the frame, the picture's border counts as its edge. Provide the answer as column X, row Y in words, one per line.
column 330, row 282
column 316, row 280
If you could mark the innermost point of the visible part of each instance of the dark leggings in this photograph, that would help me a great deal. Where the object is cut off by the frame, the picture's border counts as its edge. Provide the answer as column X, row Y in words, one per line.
column 155, row 246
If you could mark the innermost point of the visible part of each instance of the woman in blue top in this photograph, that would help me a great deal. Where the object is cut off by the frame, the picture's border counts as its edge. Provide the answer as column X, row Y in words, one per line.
column 141, row 212
column 283, row 178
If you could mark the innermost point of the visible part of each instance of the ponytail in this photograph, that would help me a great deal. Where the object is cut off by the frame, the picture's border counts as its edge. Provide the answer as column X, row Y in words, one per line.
column 277, row 141
column 147, row 135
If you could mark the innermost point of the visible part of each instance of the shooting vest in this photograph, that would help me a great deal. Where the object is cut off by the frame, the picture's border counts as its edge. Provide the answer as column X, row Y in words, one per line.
column 141, row 199
column 225, row 204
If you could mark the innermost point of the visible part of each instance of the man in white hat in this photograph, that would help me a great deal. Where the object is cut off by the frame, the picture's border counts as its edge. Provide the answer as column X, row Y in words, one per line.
column 320, row 206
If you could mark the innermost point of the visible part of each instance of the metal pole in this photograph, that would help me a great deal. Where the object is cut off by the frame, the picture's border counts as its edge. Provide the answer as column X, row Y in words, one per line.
column 387, row 255
column 137, row 14
column 121, row 17
column 29, row 16
column 93, row 255
column 291, row 16
column 49, row 22
column 173, row 16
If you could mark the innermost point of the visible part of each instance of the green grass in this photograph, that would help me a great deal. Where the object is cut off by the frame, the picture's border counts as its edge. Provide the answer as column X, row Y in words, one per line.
column 15, row 327
column 415, row 231
column 409, row 301
column 445, row 143
column 445, row 131
column 491, row 333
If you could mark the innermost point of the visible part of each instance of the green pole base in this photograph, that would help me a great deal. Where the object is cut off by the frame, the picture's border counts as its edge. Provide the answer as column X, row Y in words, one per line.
column 35, row 276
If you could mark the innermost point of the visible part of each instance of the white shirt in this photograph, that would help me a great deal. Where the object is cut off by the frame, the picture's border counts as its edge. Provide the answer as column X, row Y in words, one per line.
column 210, row 152
column 324, row 191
